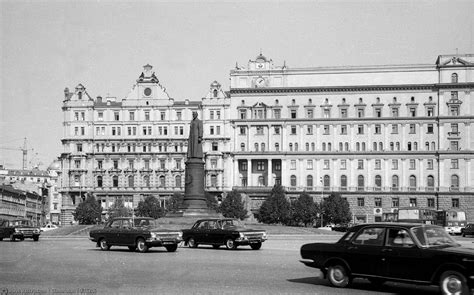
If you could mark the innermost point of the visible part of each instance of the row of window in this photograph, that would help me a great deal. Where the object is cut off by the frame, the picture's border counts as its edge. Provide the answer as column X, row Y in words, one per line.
column 413, row 202
column 145, row 181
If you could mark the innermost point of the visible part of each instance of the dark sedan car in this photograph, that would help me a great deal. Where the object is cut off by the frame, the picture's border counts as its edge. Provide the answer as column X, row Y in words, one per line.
column 139, row 233
column 228, row 232
column 19, row 229
column 468, row 230
column 412, row 253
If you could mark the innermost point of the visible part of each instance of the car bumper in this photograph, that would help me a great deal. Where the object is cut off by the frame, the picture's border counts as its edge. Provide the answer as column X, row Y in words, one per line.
column 155, row 242
column 245, row 241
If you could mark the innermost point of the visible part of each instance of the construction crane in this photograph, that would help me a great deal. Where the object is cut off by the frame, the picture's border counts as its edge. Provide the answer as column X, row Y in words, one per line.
column 24, row 150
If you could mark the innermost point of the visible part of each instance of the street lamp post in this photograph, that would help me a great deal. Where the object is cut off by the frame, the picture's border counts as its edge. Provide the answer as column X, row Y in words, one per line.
column 322, row 198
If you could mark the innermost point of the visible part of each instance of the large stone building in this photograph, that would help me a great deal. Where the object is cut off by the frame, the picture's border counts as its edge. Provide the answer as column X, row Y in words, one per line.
column 382, row 136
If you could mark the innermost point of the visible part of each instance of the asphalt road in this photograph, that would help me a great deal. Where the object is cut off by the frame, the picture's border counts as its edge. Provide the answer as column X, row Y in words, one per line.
column 75, row 266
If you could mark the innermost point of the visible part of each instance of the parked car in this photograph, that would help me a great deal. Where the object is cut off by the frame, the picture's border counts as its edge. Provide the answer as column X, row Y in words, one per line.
column 223, row 231
column 19, row 229
column 468, row 230
column 410, row 253
column 139, row 233
column 48, row 227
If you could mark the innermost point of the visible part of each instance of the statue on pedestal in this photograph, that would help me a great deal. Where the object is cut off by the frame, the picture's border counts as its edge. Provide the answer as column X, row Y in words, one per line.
column 195, row 138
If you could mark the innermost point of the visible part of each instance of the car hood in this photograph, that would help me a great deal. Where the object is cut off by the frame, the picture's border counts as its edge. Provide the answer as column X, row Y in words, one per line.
column 463, row 250
column 243, row 229
column 162, row 230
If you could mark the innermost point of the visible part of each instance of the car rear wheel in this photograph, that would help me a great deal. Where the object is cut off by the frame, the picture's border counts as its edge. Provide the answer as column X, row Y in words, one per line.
column 453, row 282
column 337, row 276
column 141, row 245
column 230, row 244
column 192, row 243
column 256, row 246
column 171, row 248
column 104, row 245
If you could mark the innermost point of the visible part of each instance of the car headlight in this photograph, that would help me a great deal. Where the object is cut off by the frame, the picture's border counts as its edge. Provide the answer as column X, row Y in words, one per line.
column 265, row 235
column 153, row 235
column 180, row 234
column 36, row 230
column 17, row 230
column 241, row 235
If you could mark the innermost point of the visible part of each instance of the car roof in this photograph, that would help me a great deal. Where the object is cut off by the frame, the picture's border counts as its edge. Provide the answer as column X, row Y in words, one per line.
column 392, row 224
column 117, row 218
column 214, row 219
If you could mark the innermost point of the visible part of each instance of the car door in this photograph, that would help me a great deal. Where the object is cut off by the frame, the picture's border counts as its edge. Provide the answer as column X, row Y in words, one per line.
column 364, row 253
column 200, row 231
column 125, row 235
column 214, row 232
column 111, row 232
column 404, row 259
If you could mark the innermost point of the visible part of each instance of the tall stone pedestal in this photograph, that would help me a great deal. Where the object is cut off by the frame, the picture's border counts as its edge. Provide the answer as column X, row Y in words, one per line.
column 194, row 202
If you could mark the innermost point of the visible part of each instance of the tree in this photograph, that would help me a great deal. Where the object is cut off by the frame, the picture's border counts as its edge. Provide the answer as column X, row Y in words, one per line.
column 304, row 210
column 89, row 211
column 118, row 209
column 150, row 207
column 211, row 202
column 233, row 206
column 276, row 208
column 336, row 210
column 174, row 202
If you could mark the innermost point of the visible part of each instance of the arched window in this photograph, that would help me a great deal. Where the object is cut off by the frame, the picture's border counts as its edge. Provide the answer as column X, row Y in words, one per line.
column 213, row 181
column 347, row 146
column 378, row 182
column 375, row 146
column 380, row 146
column 340, row 146
column 360, row 183
column 430, row 183
column 427, row 146
column 277, row 147
column 363, row 146
column 313, row 146
column 261, row 181
column 329, row 146
column 242, row 147
column 397, row 144
column 433, row 146
column 395, row 184
column 391, row 146
column 215, row 92
column 256, row 147
column 115, row 181
column 146, row 180
column 326, row 182
column 415, row 146
column 293, row 180
column 454, row 182
column 291, row 147
column 162, row 181
column 309, row 181
column 99, row 181
column 409, row 146
column 177, row 181
column 296, row 147
column 343, row 183
column 276, row 101
column 412, row 185
column 263, row 147
column 454, row 78
column 324, row 146
column 307, row 146
column 357, row 146
column 131, row 181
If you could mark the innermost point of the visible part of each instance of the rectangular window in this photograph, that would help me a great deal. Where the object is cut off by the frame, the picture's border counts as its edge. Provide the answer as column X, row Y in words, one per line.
column 211, row 130
column 100, row 116
column 100, row 164
column 360, row 164
column 394, row 128
column 394, row 164
column 277, row 166
column 327, row 113
column 429, row 129
column 213, row 163
column 309, row 165
column 429, row 164
column 430, row 202
column 309, row 129
column 147, row 116
column 243, row 114
column 131, row 116
column 293, row 130
column 412, row 129
column 162, row 116
column 309, row 113
column 76, row 131
column 360, row 129
column 360, row 202
column 394, row 112
column 276, row 114
column 378, row 112
column 430, row 112
column 242, row 130
column 378, row 202
column 218, row 115
column 147, row 164
column 413, row 202
column 260, row 165
column 162, row 164
column 378, row 165
column 412, row 164
column 326, row 129
column 395, row 202
column 454, row 129
column 343, row 113
column 116, row 116
column 378, row 129
column 326, row 164
column 293, row 164
column 277, row 130
column 455, row 202
column 454, row 110
column 79, row 147
column 360, row 113
column 259, row 130
column 293, row 114
column 343, row 164
column 243, row 165
column 218, row 130
column 115, row 163
column 77, row 164
column 211, row 115
column 343, row 129
column 454, row 145
column 412, row 112
column 454, row 164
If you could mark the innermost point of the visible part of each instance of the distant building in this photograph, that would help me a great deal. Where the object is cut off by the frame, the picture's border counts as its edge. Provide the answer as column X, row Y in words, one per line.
column 382, row 136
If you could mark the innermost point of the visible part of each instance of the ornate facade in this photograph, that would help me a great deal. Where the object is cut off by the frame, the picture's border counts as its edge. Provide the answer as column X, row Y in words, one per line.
column 382, row 136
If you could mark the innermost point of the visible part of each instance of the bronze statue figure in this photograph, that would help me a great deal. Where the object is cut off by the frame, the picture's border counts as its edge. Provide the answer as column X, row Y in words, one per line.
column 195, row 138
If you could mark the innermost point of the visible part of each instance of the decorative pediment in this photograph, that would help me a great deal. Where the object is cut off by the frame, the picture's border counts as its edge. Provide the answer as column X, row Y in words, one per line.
column 454, row 60
column 259, row 105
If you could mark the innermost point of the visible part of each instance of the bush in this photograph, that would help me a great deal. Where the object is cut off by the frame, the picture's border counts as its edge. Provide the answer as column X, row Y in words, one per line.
column 304, row 210
column 276, row 208
column 233, row 206
column 150, row 207
column 88, row 212
column 336, row 210
column 118, row 209
column 175, row 202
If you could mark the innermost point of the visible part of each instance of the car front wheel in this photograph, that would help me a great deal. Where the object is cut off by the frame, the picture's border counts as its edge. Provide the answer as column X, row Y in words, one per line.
column 141, row 245
column 337, row 275
column 453, row 282
column 230, row 244
column 192, row 243
column 104, row 246
column 256, row 246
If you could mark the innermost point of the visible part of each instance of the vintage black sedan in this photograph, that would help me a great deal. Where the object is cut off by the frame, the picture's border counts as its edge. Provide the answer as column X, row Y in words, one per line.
column 226, row 231
column 412, row 253
column 19, row 229
column 139, row 233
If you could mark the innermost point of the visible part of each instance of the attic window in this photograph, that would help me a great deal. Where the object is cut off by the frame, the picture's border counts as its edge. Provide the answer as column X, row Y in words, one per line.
column 79, row 95
column 215, row 92
column 454, row 78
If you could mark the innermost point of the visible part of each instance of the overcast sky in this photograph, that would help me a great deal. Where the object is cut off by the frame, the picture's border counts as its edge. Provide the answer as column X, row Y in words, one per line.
column 46, row 46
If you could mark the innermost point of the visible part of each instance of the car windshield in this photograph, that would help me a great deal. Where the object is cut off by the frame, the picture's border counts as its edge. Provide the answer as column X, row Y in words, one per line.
column 433, row 236
column 138, row 222
column 21, row 222
column 232, row 222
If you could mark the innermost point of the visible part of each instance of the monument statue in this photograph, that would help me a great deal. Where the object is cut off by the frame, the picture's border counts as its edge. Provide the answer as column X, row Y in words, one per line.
column 195, row 138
